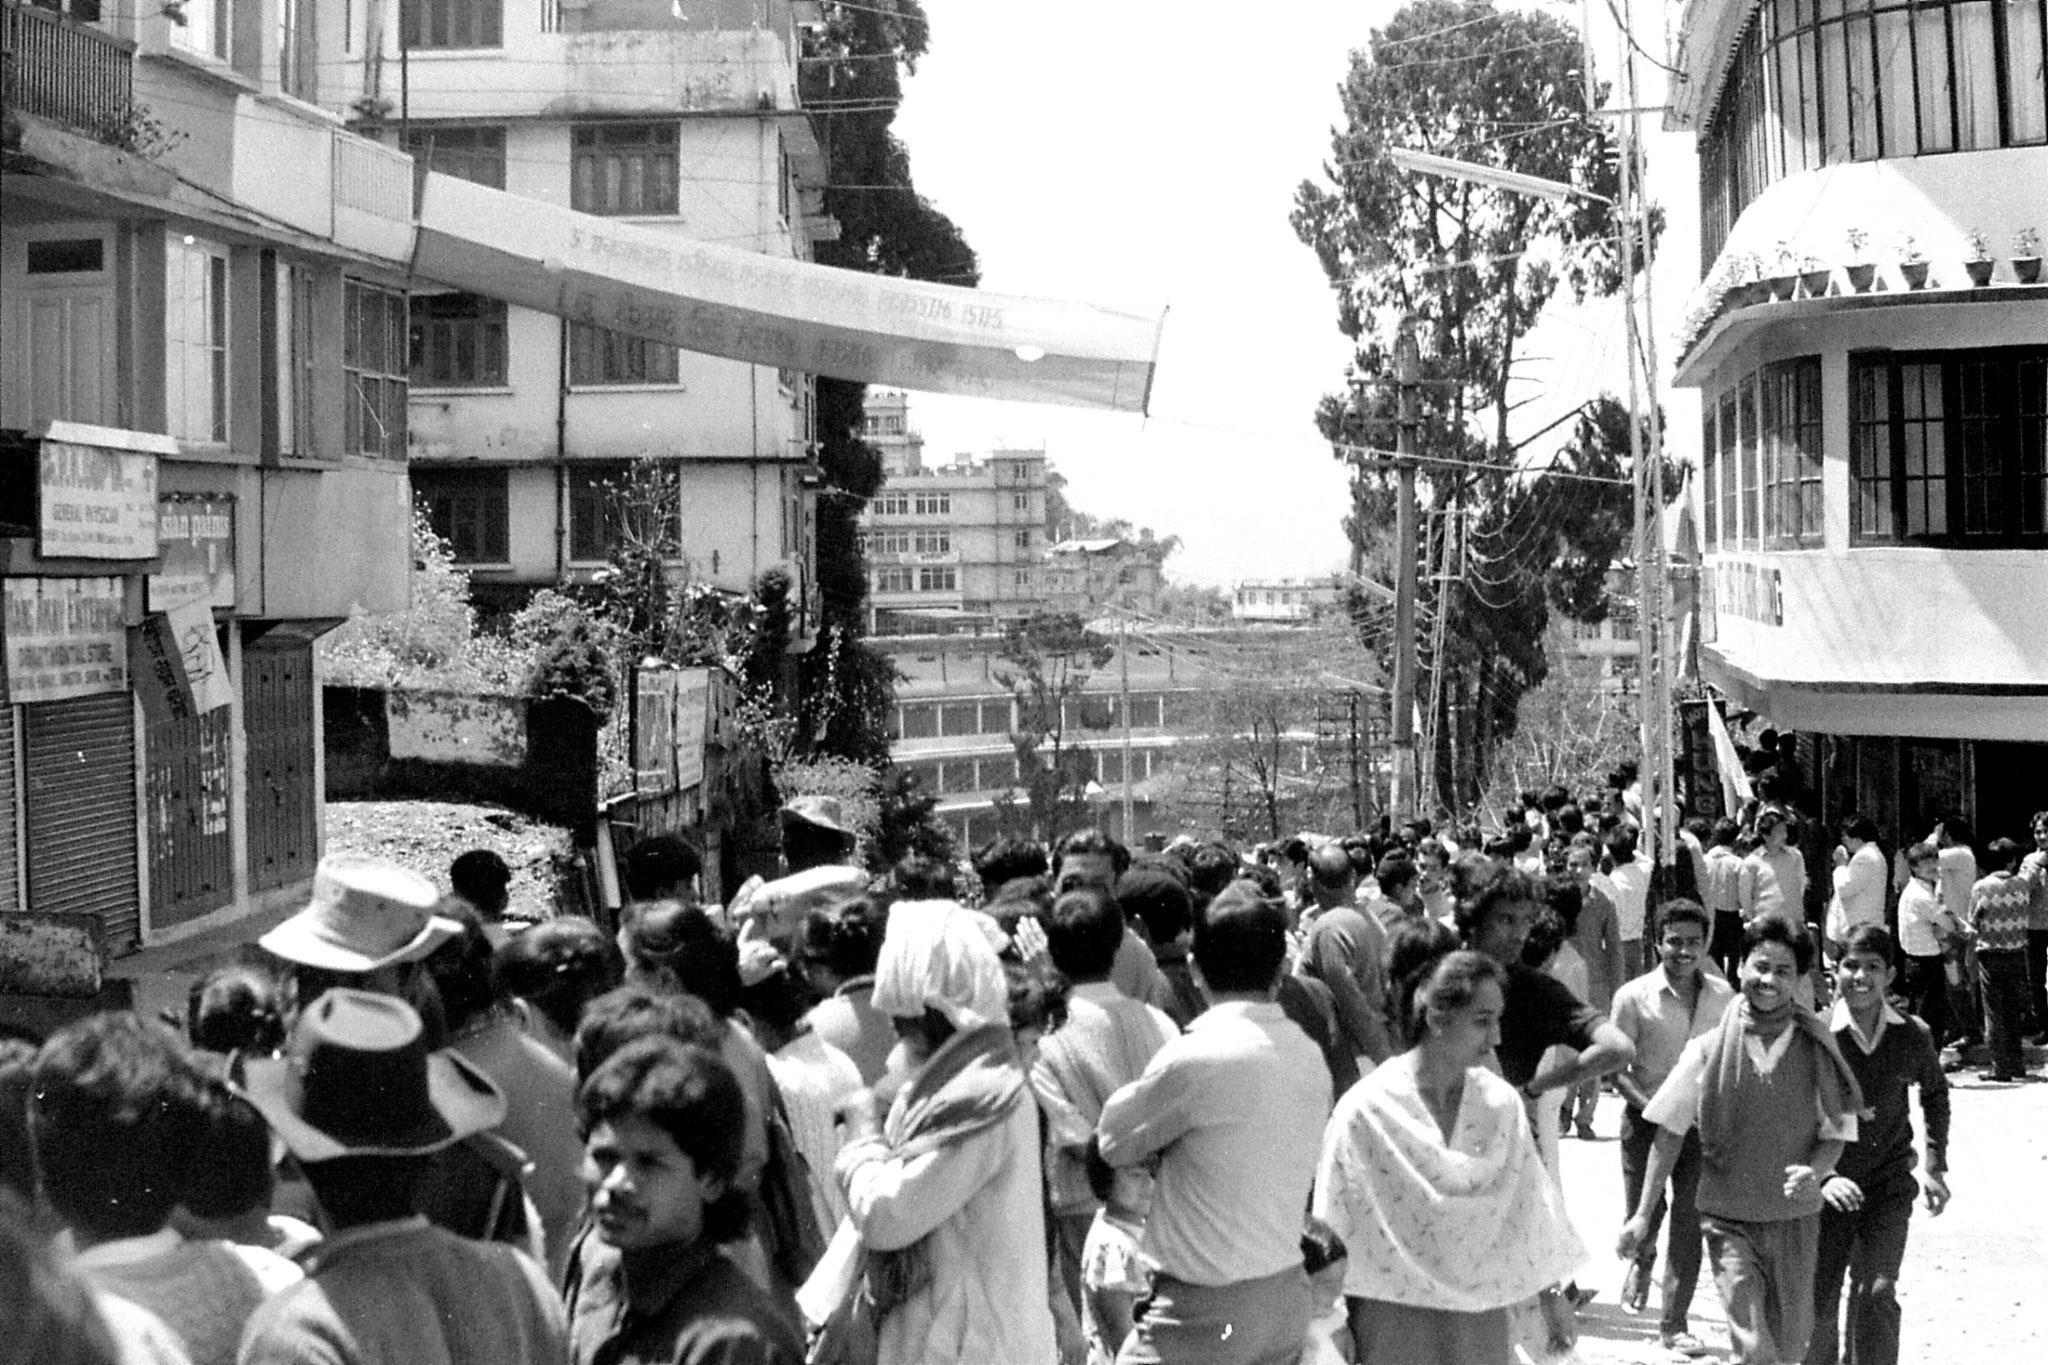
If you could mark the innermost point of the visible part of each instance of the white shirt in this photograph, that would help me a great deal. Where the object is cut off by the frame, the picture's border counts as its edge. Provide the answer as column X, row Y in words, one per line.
column 1920, row 910
column 1859, row 883
column 1631, row 882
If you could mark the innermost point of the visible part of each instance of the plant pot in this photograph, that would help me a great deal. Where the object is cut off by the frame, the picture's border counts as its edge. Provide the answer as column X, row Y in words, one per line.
column 1781, row 286
column 1914, row 273
column 1814, row 282
column 1980, row 272
column 1861, row 277
column 2027, row 269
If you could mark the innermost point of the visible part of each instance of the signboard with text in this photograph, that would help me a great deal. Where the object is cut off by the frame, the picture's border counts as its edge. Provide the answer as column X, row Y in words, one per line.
column 96, row 503
column 196, row 536
column 693, row 707
column 178, row 667
column 66, row 637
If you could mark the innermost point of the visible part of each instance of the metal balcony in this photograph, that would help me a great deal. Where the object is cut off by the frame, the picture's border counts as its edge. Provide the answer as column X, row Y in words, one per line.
column 66, row 71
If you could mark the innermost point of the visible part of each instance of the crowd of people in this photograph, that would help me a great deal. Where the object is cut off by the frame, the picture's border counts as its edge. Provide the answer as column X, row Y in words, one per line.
column 1207, row 1104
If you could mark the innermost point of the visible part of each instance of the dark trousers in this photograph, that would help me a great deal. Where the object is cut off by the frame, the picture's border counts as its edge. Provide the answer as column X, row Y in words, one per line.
column 1726, row 947
column 2002, row 977
column 1869, row 1245
column 1925, row 985
column 1682, row 1246
column 2037, row 978
column 1765, row 1274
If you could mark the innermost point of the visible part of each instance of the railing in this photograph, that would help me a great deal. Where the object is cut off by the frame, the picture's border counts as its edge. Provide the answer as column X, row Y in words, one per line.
column 60, row 69
column 372, row 178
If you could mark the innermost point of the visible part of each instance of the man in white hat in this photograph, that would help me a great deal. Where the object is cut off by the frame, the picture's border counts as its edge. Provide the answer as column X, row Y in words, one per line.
column 368, row 919
column 817, row 849
column 362, row 1105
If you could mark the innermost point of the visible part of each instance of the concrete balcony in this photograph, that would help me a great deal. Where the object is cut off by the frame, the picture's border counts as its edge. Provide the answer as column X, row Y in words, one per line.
column 65, row 71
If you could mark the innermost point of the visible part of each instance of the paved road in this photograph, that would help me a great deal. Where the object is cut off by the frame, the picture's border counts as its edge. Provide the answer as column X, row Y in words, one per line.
column 1974, row 1288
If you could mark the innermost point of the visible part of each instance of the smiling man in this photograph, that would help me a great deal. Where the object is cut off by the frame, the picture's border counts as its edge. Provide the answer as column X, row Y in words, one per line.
column 1774, row 1103
column 663, row 1123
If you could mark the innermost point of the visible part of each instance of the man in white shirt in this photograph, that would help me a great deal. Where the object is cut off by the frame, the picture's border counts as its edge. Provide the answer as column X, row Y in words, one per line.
column 1233, row 1112
column 1631, row 882
column 1859, row 882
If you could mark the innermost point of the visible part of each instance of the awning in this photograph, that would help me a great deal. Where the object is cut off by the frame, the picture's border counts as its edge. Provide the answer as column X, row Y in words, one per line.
column 765, row 310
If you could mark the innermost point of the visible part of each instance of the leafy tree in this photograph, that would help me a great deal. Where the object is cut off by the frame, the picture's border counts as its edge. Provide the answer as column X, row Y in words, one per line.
column 909, row 822
column 1048, row 659
column 1472, row 268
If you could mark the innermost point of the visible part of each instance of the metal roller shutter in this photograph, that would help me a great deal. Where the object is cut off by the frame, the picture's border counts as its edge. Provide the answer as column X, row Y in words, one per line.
column 10, row 856
column 284, row 810
column 80, row 757
column 187, row 792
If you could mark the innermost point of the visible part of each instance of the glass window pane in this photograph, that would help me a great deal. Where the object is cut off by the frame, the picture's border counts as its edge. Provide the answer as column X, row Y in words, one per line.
column 1834, row 84
column 2026, row 70
column 1862, row 70
column 1895, row 81
column 1930, row 49
column 1976, row 75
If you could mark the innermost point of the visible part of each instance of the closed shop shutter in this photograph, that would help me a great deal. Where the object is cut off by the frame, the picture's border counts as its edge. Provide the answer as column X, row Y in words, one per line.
column 80, row 761
column 186, row 792
column 10, row 855
column 277, row 698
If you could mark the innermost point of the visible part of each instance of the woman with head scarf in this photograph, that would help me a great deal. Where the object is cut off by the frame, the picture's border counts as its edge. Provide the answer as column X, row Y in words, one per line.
column 941, row 1161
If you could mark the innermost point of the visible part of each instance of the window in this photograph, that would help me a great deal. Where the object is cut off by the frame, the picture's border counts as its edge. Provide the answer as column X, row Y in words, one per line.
column 1731, row 494
column 624, row 168
column 1024, row 538
column 1020, row 502
column 1022, row 579
column 891, row 505
column 295, row 361
column 1950, row 448
column 600, row 356
column 207, row 30
column 457, row 341
column 937, row 580
column 453, row 23
column 889, row 542
column 595, row 492
column 196, row 340
column 895, row 578
column 1710, row 468
column 298, row 70
column 67, row 256
column 934, row 504
column 372, row 363
column 469, row 509
column 933, row 542
column 1789, row 395
column 476, row 154
column 1746, row 457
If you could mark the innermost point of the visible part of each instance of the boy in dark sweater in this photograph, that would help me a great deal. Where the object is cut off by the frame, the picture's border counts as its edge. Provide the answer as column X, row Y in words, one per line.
column 1869, row 1199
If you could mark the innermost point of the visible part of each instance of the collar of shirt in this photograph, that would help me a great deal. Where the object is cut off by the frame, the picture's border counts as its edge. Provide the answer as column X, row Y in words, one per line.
column 338, row 1242
column 1843, row 1020
column 1766, row 1056
column 1098, row 992
column 654, row 1277
column 1227, row 1012
column 128, row 1250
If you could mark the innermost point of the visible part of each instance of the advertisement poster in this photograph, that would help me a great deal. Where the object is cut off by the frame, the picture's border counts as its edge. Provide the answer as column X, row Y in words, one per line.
column 66, row 637
column 693, row 704
column 96, row 503
column 196, row 537
column 179, row 670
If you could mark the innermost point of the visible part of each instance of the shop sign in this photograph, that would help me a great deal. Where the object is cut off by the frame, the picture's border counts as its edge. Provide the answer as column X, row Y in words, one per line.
column 96, row 503
column 66, row 637
column 179, row 670
column 196, row 536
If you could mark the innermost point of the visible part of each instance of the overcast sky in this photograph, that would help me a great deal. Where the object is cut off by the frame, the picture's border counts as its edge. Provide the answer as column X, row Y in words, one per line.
column 1134, row 154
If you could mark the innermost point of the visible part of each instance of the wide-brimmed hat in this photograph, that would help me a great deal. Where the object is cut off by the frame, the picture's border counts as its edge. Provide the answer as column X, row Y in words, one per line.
column 358, row 1080
column 823, row 811
column 365, row 913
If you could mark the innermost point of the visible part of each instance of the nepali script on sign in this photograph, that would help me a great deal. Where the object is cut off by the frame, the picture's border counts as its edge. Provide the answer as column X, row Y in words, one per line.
column 767, row 310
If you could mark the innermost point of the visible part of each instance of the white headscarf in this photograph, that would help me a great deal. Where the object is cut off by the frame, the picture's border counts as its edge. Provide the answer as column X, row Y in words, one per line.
column 937, row 955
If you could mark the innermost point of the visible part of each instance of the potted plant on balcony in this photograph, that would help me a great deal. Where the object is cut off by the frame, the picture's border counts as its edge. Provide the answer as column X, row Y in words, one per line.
column 1862, row 272
column 1784, row 276
column 1813, row 275
column 1912, row 262
column 1746, row 280
column 2026, row 256
column 1978, row 262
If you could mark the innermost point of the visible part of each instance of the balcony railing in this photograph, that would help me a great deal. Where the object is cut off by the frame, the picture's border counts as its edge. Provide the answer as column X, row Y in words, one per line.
column 59, row 69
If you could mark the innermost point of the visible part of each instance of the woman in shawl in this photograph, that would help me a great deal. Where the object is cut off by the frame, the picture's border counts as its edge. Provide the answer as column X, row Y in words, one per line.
column 942, row 1179
column 1429, row 1160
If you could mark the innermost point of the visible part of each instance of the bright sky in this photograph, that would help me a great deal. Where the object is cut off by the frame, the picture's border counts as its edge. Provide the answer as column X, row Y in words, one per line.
column 1125, row 154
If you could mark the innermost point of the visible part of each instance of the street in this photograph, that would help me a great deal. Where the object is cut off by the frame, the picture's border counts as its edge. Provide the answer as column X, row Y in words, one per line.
column 1971, row 1285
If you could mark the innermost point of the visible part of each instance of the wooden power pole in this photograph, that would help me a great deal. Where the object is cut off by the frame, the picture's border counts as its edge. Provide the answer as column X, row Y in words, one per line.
column 1402, row 799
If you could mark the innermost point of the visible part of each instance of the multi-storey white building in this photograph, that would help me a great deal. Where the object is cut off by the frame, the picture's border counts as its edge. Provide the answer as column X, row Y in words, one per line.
column 957, row 544
column 679, row 117
column 1273, row 601
column 1874, row 490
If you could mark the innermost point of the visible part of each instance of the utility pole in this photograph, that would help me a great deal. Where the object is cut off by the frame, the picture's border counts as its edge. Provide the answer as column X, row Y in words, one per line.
column 1357, row 789
column 1402, row 798
column 1123, row 654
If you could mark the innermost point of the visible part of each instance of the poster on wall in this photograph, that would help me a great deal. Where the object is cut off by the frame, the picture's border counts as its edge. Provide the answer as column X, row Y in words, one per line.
column 693, row 705
column 95, row 503
column 66, row 637
column 179, row 670
column 196, row 537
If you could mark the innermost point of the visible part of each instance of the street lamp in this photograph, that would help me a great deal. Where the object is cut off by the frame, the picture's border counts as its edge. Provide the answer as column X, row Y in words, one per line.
column 1494, row 177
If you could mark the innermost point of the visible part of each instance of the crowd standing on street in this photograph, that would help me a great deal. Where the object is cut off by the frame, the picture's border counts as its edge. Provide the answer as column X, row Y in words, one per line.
column 1074, row 1104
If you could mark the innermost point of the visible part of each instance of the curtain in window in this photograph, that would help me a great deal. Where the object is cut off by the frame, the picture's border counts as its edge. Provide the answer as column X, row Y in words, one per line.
column 1930, row 54
column 2026, row 70
column 1862, row 72
column 1976, row 59
column 1895, row 81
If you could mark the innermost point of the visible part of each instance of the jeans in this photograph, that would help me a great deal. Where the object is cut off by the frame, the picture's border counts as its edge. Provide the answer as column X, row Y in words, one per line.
column 1251, row 1322
column 1682, row 1246
column 1765, row 1273
column 1869, row 1244
column 2002, row 977
column 2037, row 978
column 1924, row 983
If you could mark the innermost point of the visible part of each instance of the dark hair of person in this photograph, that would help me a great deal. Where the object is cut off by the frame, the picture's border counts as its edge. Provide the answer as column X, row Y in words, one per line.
column 1264, row 878
column 1683, row 910
column 1700, row 828
column 920, row 877
column 690, row 1094
column 1321, row 1247
column 846, row 939
column 1294, row 849
column 1241, row 940
column 660, row 865
column 1874, row 939
column 17, row 1155
column 1395, row 870
column 1860, row 826
column 1364, row 854
column 1413, row 957
column 2001, row 855
column 1726, row 831
column 619, row 1016
column 1091, row 841
column 779, row 1000
column 1621, row 844
column 1783, row 929
column 354, row 1191
column 805, row 845
column 2040, row 820
column 235, row 1176
column 1921, row 852
column 114, row 1117
column 1553, row 797
column 1480, row 884
column 1038, row 995
column 1546, row 936
column 481, row 877
column 1568, row 819
column 1565, row 899
column 1769, row 818
column 1958, row 830
column 557, row 968
column 1432, row 850
column 1083, row 932
column 1158, row 900
column 236, row 1009
column 694, row 951
column 46, row 1314
column 1003, row 859
column 461, row 969
column 1330, row 868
